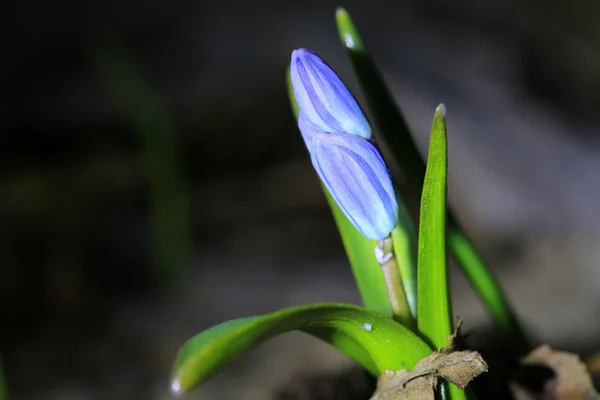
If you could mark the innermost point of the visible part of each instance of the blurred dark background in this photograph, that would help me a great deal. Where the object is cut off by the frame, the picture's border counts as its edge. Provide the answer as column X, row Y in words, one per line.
column 154, row 183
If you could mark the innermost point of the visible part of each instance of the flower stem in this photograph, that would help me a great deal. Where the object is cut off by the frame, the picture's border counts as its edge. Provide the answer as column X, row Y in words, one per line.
column 384, row 253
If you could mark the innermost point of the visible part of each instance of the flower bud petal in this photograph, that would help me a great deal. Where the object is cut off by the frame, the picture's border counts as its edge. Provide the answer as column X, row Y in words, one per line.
column 307, row 129
column 355, row 174
column 322, row 96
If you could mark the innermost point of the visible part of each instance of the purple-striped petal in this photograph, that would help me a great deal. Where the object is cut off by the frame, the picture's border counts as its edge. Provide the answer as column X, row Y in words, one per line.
column 355, row 174
column 306, row 129
column 322, row 96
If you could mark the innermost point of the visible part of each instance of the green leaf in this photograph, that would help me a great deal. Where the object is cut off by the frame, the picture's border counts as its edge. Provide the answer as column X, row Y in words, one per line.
column 394, row 129
column 387, row 116
column 376, row 342
column 360, row 250
column 404, row 237
column 435, row 309
column 434, row 316
column 389, row 119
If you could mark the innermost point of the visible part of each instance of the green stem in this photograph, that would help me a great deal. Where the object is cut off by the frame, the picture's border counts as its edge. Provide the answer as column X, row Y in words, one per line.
column 384, row 253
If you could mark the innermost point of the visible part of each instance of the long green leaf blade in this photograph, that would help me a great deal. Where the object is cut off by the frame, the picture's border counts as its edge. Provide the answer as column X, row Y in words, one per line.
column 435, row 308
column 376, row 342
column 434, row 316
column 388, row 117
column 394, row 129
column 360, row 250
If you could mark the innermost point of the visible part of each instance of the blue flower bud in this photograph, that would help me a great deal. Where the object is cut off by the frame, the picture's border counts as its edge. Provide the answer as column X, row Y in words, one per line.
column 355, row 174
column 326, row 102
column 306, row 129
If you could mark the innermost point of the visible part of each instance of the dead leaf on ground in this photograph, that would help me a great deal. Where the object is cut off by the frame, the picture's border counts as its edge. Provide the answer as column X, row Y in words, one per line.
column 571, row 381
column 457, row 367
column 401, row 385
column 593, row 365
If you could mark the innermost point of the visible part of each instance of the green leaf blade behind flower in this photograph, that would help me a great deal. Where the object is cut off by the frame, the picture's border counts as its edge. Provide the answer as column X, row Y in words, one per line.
column 365, row 268
column 394, row 130
column 387, row 115
column 376, row 342
column 405, row 241
column 360, row 250
column 389, row 119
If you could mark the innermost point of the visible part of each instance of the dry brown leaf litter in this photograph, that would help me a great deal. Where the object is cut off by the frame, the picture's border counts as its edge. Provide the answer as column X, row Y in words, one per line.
column 571, row 379
column 457, row 367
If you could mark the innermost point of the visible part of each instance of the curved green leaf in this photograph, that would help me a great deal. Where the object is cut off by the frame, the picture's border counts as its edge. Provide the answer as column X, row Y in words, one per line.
column 394, row 129
column 376, row 342
column 360, row 250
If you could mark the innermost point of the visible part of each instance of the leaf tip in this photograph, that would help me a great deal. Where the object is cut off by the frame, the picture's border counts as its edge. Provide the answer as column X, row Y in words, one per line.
column 347, row 31
column 341, row 12
column 176, row 388
column 440, row 111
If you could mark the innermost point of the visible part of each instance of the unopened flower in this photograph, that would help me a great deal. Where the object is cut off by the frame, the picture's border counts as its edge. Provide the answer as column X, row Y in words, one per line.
column 355, row 174
column 306, row 129
column 327, row 104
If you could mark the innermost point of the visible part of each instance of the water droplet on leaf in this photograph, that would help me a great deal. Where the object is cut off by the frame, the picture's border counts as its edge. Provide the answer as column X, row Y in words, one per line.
column 366, row 327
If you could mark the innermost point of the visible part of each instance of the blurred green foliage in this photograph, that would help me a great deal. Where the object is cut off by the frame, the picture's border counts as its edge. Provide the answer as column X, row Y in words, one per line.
column 170, row 201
